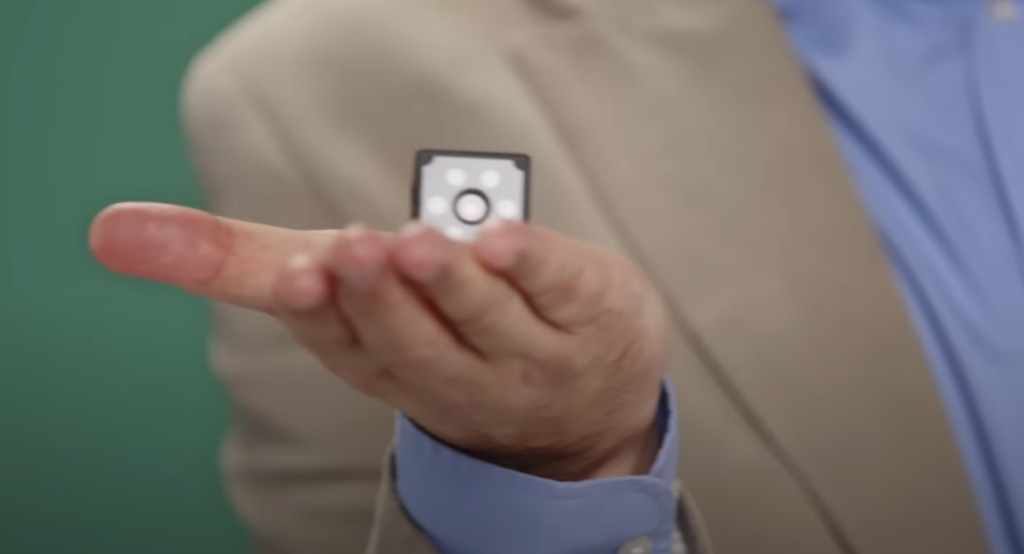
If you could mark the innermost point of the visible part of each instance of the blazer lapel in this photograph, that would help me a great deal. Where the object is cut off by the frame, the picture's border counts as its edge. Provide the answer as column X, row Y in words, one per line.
column 707, row 153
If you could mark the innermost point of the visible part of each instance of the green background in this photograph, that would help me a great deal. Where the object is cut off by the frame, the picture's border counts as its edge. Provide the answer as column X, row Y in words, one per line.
column 109, row 417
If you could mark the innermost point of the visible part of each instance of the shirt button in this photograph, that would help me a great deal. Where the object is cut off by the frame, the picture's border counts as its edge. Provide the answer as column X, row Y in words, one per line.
column 641, row 545
column 1004, row 10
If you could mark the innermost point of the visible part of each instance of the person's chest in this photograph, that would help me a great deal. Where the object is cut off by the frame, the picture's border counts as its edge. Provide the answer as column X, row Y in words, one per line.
column 684, row 134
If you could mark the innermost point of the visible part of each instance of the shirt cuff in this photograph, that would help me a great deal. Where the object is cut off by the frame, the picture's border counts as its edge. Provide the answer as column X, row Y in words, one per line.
column 467, row 506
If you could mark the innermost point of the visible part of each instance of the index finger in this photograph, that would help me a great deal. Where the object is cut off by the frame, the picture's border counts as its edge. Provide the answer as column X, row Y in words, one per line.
column 223, row 259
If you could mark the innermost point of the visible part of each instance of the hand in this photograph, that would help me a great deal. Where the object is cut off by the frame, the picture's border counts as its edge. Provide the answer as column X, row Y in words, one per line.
column 526, row 349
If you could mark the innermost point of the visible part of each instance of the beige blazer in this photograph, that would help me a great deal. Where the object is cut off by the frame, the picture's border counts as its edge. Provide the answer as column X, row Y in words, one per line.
column 681, row 132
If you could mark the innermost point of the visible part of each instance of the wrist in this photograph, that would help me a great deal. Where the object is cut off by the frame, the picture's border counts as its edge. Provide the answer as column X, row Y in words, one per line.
column 606, row 452
column 620, row 444
column 485, row 504
column 633, row 455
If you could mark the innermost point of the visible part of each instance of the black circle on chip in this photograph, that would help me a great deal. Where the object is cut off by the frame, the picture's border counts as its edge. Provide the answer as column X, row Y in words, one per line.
column 471, row 206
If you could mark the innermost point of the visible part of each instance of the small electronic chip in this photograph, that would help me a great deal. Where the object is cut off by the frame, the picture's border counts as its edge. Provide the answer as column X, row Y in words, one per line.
column 458, row 191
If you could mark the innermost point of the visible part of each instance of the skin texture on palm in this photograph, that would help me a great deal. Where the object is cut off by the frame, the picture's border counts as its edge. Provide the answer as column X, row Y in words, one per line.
column 526, row 348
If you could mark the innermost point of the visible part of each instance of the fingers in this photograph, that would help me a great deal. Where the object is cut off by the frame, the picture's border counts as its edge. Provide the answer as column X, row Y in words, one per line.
column 568, row 283
column 303, row 293
column 223, row 259
column 483, row 308
column 303, row 301
column 302, row 285
column 386, row 316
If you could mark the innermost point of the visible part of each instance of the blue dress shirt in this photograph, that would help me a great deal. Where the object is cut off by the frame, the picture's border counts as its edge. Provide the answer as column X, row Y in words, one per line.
column 926, row 100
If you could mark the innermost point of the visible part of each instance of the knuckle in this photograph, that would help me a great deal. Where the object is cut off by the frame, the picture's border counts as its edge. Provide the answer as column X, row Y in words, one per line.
column 482, row 314
column 595, row 292
column 578, row 283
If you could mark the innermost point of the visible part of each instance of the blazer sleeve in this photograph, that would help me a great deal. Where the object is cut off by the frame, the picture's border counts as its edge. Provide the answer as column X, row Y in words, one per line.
column 393, row 530
column 301, row 458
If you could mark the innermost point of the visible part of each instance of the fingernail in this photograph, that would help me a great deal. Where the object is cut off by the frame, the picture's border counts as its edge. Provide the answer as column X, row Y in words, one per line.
column 421, row 271
column 497, row 247
column 361, row 263
column 303, row 286
column 412, row 228
column 356, row 230
column 421, row 255
column 493, row 224
column 306, row 292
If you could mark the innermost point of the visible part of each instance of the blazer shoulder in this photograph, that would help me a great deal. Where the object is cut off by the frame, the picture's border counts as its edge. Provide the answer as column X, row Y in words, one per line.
column 341, row 36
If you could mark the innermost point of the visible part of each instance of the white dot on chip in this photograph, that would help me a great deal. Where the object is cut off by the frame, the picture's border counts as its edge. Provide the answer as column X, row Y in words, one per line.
column 437, row 205
column 508, row 209
column 455, row 177
column 490, row 178
column 455, row 233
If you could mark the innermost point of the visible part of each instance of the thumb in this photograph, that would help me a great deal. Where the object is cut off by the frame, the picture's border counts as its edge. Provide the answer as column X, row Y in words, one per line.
column 223, row 259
